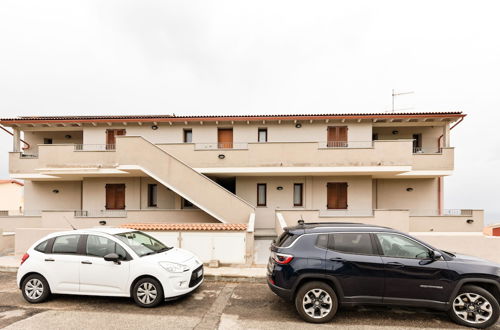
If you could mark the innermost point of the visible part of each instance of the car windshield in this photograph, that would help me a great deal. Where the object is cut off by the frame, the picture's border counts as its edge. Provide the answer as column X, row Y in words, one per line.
column 142, row 244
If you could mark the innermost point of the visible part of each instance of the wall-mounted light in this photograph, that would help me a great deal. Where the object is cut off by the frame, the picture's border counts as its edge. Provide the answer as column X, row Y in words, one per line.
column 279, row 188
column 221, row 156
column 395, row 132
column 409, row 189
column 154, row 127
column 102, row 222
column 55, row 191
column 298, row 125
column 469, row 221
column 67, row 136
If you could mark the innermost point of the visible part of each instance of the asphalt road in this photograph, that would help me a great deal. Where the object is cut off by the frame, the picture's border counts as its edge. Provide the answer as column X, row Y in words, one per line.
column 215, row 305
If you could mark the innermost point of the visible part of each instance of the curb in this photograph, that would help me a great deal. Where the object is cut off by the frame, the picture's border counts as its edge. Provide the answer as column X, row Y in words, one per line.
column 5, row 269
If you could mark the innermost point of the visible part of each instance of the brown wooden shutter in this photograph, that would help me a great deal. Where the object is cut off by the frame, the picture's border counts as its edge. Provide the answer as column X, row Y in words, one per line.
column 225, row 138
column 115, row 196
column 337, row 136
column 337, row 195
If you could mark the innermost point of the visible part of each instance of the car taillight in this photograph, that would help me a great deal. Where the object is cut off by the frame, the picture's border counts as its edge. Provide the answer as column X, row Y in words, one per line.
column 24, row 258
column 282, row 258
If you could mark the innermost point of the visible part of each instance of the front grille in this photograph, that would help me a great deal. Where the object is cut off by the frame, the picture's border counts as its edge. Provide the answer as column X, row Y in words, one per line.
column 195, row 279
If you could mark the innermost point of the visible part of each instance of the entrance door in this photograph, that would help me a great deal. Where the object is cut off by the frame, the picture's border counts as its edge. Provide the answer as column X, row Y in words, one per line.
column 115, row 196
column 111, row 137
column 337, row 137
column 225, row 138
column 337, row 195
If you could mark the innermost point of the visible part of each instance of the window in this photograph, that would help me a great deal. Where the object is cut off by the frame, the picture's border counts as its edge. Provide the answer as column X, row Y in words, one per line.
column 417, row 143
column 141, row 243
column 286, row 239
column 359, row 243
column 47, row 141
column 262, row 135
column 398, row 246
column 298, row 194
column 98, row 246
column 322, row 241
column 41, row 247
column 67, row 244
column 261, row 194
column 188, row 136
column 152, row 194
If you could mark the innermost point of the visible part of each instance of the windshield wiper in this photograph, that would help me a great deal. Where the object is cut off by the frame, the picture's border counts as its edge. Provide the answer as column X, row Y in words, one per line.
column 163, row 249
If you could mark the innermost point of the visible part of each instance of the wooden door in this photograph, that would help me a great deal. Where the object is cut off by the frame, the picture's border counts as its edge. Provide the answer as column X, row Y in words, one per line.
column 115, row 196
column 337, row 195
column 337, row 136
column 225, row 138
column 111, row 137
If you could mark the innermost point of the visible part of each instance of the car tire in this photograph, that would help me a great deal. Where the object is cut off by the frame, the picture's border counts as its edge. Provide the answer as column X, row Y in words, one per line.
column 147, row 292
column 35, row 289
column 474, row 307
column 316, row 302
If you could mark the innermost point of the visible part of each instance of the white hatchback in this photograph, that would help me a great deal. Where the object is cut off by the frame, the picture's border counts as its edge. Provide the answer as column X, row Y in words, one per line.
column 107, row 262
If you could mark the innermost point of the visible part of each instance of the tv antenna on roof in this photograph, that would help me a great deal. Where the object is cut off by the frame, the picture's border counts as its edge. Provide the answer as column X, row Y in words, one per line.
column 394, row 94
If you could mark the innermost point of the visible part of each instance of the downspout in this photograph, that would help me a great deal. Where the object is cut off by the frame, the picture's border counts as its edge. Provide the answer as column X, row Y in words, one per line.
column 440, row 179
column 12, row 134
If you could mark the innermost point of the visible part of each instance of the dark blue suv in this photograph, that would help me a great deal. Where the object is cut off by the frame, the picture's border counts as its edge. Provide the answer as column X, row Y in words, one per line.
column 320, row 266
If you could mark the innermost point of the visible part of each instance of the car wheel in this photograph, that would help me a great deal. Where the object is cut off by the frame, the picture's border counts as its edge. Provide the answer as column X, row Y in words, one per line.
column 35, row 289
column 474, row 307
column 316, row 302
column 147, row 292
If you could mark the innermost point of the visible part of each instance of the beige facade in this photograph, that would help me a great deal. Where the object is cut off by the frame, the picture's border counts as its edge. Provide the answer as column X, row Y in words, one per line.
column 11, row 197
column 390, row 168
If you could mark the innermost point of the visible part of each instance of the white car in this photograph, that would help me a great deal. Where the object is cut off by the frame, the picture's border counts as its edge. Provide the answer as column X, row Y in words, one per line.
column 107, row 262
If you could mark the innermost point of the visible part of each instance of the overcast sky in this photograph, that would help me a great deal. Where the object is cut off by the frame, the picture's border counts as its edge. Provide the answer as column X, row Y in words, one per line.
column 263, row 57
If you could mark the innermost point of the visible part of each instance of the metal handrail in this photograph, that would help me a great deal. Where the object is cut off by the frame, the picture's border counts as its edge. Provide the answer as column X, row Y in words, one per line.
column 444, row 212
column 100, row 213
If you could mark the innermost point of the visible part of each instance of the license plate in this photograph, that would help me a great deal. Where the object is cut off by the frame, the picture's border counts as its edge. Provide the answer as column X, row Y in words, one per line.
column 200, row 273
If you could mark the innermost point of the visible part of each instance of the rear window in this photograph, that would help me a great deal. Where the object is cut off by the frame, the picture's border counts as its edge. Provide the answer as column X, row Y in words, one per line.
column 41, row 247
column 358, row 243
column 286, row 239
column 67, row 244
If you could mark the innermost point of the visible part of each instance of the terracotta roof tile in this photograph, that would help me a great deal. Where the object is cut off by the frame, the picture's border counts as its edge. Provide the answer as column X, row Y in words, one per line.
column 12, row 181
column 186, row 226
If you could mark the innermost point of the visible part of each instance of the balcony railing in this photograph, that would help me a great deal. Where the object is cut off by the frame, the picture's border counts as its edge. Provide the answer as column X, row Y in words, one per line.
column 444, row 212
column 346, row 144
column 422, row 150
column 100, row 213
column 346, row 213
column 221, row 145
column 24, row 155
column 95, row 147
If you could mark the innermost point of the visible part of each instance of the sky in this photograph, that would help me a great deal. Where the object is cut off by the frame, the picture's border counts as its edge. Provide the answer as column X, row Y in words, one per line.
column 263, row 57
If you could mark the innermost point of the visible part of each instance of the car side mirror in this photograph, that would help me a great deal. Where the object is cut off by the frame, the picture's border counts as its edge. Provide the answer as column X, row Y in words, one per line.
column 112, row 257
column 436, row 255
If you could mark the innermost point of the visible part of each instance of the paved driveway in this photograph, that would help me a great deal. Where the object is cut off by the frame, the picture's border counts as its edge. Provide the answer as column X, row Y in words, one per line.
column 215, row 305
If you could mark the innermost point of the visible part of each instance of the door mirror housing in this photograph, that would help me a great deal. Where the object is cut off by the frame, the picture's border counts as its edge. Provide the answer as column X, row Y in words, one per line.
column 112, row 257
column 436, row 255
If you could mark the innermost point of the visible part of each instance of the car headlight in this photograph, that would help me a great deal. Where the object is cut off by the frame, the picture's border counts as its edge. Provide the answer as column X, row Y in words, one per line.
column 173, row 267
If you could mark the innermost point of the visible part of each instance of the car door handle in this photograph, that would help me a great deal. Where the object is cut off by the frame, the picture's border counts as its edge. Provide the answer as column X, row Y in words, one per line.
column 337, row 259
column 49, row 259
column 86, row 262
column 396, row 264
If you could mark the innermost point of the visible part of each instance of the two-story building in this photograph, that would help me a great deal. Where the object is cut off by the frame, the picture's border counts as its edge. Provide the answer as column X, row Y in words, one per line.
column 264, row 172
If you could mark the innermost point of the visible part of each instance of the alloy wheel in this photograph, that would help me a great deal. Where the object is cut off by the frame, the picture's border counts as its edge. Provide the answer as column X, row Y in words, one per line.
column 147, row 293
column 317, row 303
column 34, row 288
column 472, row 308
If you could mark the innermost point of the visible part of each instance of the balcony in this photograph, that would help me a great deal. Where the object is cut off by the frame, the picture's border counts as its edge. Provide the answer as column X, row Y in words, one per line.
column 392, row 157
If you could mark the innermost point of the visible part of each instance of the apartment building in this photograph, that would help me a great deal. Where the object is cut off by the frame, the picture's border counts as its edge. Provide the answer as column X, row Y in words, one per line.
column 262, row 171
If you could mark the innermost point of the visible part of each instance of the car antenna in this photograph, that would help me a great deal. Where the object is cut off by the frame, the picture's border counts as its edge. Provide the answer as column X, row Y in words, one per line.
column 301, row 221
column 69, row 223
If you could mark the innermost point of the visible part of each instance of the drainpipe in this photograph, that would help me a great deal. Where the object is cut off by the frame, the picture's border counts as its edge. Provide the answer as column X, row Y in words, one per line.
column 27, row 145
column 440, row 179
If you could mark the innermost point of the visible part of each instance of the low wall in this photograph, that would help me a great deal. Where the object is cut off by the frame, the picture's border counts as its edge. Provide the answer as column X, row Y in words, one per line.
column 474, row 244
column 6, row 242
column 448, row 223
column 25, row 237
column 397, row 219
column 12, row 222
